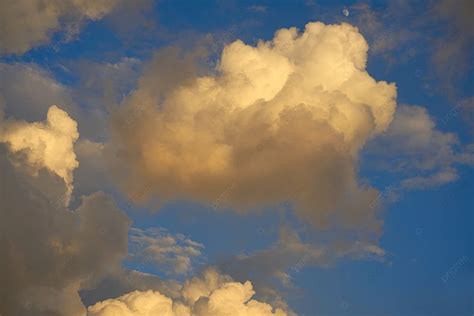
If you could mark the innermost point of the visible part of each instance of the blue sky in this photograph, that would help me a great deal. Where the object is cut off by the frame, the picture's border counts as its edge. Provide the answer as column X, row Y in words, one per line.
column 426, row 234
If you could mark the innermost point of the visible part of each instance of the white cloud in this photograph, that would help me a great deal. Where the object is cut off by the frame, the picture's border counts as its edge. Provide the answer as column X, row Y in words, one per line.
column 211, row 295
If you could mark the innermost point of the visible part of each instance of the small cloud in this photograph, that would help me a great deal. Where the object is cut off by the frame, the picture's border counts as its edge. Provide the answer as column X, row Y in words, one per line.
column 258, row 8
column 163, row 250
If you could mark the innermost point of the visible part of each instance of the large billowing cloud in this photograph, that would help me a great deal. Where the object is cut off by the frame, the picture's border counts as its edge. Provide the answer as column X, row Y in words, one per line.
column 210, row 295
column 282, row 120
column 28, row 23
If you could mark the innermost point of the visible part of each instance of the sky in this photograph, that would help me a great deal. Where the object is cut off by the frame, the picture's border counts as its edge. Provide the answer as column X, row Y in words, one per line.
column 251, row 158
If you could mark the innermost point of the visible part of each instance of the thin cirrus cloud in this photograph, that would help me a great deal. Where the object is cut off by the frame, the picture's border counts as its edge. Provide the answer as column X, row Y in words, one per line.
column 283, row 120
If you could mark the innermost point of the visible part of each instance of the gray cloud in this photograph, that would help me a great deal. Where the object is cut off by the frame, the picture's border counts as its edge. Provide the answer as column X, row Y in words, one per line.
column 25, row 24
column 415, row 148
column 440, row 29
column 49, row 252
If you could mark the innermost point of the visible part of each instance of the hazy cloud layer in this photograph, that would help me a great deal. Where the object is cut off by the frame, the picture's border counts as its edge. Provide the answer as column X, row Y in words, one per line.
column 284, row 120
column 415, row 148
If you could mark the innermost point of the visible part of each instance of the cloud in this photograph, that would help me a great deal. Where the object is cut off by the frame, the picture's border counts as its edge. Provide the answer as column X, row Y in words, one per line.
column 415, row 148
column 453, row 51
column 466, row 108
column 440, row 30
column 272, row 270
column 28, row 90
column 92, row 173
column 210, row 295
column 385, row 37
column 172, row 253
column 124, row 281
column 257, row 8
column 103, row 85
column 433, row 180
column 282, row 120
column 47, row 144
column 48, row 251
column 29, row 23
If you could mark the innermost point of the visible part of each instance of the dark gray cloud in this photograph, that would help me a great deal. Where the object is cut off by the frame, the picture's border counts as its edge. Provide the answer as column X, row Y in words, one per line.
column 48, row 251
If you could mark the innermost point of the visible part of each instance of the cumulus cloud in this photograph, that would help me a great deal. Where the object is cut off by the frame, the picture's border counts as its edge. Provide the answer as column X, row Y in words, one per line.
column 48, row 251
column 29, row 23
column 282, row 120
column 48, row 144
column 210, row 295
column 172, row 253
column 124, row 281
